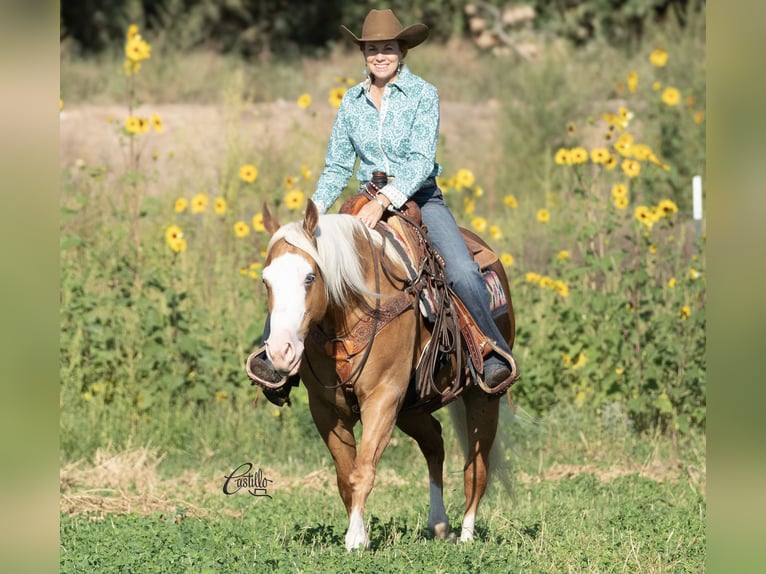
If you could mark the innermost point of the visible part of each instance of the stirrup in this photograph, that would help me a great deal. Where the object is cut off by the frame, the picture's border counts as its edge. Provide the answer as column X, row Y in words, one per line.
column 512, row 378
column 261, row 372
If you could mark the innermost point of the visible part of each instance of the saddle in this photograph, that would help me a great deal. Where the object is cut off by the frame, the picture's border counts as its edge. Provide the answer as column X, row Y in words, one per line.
column 452, row 323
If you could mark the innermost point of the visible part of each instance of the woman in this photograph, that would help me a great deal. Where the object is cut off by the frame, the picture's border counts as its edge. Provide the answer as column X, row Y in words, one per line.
column 390, row 122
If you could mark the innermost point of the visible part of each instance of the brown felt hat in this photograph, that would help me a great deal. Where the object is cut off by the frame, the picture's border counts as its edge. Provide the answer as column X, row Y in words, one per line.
column 381, row 25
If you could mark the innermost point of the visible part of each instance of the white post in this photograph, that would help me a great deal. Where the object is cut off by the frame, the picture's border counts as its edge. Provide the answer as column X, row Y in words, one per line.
column 697, row 205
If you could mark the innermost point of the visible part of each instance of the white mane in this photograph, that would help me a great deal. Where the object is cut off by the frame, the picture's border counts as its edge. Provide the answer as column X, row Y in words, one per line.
column 335, row 254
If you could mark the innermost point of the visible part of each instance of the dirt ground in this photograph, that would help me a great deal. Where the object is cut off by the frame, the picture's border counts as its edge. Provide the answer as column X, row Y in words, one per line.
column 200, row 136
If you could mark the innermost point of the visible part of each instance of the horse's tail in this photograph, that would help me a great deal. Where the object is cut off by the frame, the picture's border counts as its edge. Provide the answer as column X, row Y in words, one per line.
column 510, row 421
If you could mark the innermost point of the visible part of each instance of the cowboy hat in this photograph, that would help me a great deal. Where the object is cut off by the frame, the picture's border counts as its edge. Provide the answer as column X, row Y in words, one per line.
column 380, row 25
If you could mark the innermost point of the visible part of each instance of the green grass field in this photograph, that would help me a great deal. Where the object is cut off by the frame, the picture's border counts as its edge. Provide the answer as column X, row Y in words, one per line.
column 576, row 168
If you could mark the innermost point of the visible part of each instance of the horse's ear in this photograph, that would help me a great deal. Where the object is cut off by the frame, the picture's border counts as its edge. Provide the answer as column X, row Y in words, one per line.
column 269, row 221
column 311, row 218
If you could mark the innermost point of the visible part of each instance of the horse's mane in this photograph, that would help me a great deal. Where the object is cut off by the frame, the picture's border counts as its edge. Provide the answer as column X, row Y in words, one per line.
column 335, row 253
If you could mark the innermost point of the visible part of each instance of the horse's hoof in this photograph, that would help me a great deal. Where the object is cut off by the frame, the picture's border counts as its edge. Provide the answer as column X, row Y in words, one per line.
column 441, row 531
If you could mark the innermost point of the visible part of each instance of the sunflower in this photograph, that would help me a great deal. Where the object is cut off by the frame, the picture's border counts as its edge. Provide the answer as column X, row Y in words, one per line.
column 199, row 203
column 581, row 361
column 562, row 288
column 631, row 168
column 599, row 155
column 684, row 312
column 143, row 125
column 172, row 233
column 611, row 163
column 479, row 224
column 469, row 205
column 495, row 232
column 220, row 396
column 136, row 49
column 304, row 101
column 132, row 32
column 563, row 157
column 178, row 245
column 133, row 125
column 336, row 96
column 543, row 215
column 658, row 58
column 532, row 277
column 255, row 270
column 642, row 152
column 305, row 171
column 563, row 255
column 290, row 181
column 478, row 191
column 464, row 178
column 671, row 96
column 621, row 202
column 219, row 206
column 644, row 215
column 546, row 282
column 657, row 86
column 693, row 274
column 578, row 155
column 667, row 207
column 157, row 123
column 619, row 190
column 241, row 229
column 180, row 205
column 506, row 259
column 248, row 173
column 258, row 223
column 294, row 199
column 699, row 117
column 510, row 201
column 672, row 282
column 632, row 81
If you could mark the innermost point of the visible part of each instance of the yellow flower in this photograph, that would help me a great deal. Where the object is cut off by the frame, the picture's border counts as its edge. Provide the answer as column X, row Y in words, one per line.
column 611, row 163
column 248, row 173
column 563, row 157
column 546, row 282
column 243, row 270
column 684, row 312
column 221, row 396
column 506, row 259
column 532, row 277
column 656, row 86
column 563, row 255
column 543, row 215
column 132, row 32
column 199, row 203
column 644, row 215
column 671, row 96
column 599, row 155
column 652, row 249
column 258, row 223
column 305, row 171
column 443, row 183
column 495, row 232
column 241, row 229
column 632, row 81
column 659, row 58
column 479, row 224
column 656, row 161
column 143, row 125
column 566, row 359
column 642, row 152
column 672, row 282
column 255, row 270
column 336, row 96
column 699, row 117
column 571, row 128
column 631, row 168
column 136, row 49
column 619, row 190
column 693, row 274
column 157, row 123
column 291, row 181
column 580, row 362
column 578, row 155
column 180, row 205
column 621, row 202
column 469, row 205
column 510, row 201
column 624, row 145
column 478, row 191
column 219, row 205
column 172, row 233
column 561, row 288
column 133, row 125
column 304, row 101
column 464, row 178
column 619, row 371
column 667, row 207
column 294, row 199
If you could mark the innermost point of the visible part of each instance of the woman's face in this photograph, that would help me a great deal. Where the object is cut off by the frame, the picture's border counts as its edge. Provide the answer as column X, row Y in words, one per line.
column 383, row 59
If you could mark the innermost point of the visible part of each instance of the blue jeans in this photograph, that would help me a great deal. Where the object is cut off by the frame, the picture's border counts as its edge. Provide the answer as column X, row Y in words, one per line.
column 461, row 271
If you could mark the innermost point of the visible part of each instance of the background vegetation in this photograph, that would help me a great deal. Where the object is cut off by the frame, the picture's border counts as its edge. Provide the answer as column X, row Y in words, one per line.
column 161, row 252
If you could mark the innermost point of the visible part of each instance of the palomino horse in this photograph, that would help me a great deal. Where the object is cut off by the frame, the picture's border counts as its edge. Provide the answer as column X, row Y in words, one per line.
column 324, row 279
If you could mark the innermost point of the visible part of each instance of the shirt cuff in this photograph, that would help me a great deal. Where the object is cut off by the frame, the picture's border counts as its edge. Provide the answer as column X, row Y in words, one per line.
column 397, row 197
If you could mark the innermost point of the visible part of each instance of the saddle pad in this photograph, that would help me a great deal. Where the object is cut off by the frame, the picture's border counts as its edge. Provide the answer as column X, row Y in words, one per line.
column 498, row 301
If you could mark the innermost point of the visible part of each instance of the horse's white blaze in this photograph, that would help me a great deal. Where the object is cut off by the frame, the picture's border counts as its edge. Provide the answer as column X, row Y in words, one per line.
column 466, row 532
column 437, row 514
column 286, row 276
column 356, row 536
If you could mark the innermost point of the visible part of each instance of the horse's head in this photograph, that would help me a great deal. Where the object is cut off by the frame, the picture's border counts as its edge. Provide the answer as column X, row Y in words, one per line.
column 295, row 286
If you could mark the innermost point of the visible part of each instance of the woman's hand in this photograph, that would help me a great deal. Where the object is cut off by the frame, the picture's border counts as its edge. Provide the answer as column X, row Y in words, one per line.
column 372, row 211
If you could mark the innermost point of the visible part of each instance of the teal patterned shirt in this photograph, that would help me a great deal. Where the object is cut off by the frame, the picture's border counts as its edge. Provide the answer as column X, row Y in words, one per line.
column 400, row 139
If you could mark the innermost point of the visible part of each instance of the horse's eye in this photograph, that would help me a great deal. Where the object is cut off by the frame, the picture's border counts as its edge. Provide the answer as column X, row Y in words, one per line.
column 309, row 279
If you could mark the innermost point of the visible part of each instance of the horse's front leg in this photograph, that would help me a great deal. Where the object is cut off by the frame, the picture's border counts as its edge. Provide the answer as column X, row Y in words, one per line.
column 378, row 410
